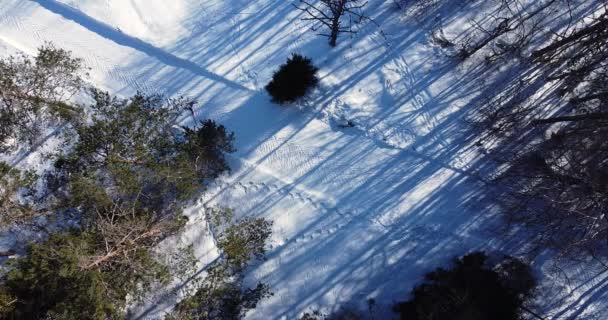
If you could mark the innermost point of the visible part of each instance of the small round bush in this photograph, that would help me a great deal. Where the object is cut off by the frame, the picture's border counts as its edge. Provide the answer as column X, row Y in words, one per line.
column 293, row 80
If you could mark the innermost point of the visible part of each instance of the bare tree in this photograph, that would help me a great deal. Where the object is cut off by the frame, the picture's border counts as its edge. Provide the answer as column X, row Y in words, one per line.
column 579, row 64
column 510, row 19
column 547, row 127
column 330, row 14
column 558, row 189
column 557, row 172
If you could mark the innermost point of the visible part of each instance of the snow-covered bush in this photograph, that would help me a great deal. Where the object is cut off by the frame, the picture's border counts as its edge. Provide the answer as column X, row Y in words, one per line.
column 293, row 80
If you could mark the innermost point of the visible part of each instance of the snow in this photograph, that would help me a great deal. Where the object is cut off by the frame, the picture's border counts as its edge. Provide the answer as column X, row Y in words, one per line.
column 359, row 212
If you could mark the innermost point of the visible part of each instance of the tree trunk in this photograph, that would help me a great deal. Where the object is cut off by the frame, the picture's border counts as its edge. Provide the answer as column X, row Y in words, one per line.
column 598, row 27
column 589, row 116
column 335, row 30
column 333, row 38
column 7, row 253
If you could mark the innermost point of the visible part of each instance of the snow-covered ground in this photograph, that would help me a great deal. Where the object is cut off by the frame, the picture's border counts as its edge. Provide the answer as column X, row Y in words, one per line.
column 358, row 212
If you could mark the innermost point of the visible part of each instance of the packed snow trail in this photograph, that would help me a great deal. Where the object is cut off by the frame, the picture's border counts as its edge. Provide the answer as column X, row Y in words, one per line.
column 359, row 212
column 123, row 39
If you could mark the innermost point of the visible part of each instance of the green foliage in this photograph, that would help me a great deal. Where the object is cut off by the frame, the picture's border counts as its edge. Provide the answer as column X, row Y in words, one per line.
column 127, row 173
column 7, row 301
column 132, row 147
column 245, row 241
column 128, row 170
column 220, row 297
column 12, row 182
column 221, row 294
column 220, row 216
column 205, row 146
column 87, row 195
column 35, row 93
column 54, row 281
column 471, row 290
column 49, row 282
column 293, row 80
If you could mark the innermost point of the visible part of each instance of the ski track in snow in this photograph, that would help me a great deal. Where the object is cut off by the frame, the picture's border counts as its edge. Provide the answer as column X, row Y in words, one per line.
column 41, row 34
column 343, row 216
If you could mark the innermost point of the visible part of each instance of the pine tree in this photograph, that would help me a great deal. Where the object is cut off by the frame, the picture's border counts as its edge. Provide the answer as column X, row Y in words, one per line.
column 471, row 290
column 293, row 80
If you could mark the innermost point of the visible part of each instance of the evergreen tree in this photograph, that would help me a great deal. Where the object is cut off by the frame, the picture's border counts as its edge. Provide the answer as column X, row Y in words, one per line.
column 132, row 146
column 51, row 283
column 471, row 290
column 127, row 175
column 222, row 295
column 35, row 94
column 293, row 80
column 14, row 182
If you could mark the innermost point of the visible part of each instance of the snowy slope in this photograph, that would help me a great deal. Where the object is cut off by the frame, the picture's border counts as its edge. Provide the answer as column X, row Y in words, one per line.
column 157, row 21
column 359, row 212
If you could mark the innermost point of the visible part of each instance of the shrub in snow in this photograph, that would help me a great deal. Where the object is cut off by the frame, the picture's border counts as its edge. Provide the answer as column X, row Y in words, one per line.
column 293, row 80
column 223, row 293
column 471, row 290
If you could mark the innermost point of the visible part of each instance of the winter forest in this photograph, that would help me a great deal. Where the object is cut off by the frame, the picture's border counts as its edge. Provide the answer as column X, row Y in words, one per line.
column 304, row 159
